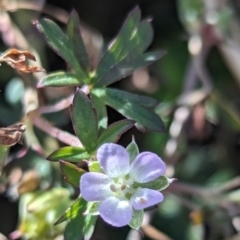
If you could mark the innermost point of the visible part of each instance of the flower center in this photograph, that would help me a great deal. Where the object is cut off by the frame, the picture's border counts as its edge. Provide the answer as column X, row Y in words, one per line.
column 122, row 187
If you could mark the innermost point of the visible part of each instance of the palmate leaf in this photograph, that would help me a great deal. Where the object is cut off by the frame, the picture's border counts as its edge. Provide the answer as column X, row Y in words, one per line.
column 125, row 53
column 133, row 106
column 62, row 45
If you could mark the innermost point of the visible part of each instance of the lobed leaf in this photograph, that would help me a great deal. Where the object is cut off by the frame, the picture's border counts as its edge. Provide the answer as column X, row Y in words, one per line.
column 74, row 35
column 134, row 107
column 85, row 121
column 70, row 153
column 129, row 64
column 59, row 42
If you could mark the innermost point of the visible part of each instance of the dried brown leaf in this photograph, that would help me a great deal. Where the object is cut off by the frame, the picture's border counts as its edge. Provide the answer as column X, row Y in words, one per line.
column 12, row 134
column 18, row 60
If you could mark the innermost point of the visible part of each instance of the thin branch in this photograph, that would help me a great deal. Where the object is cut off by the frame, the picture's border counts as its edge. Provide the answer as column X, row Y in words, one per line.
column 57, row 133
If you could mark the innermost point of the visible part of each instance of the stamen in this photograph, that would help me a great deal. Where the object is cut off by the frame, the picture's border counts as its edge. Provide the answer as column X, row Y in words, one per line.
column 113, row 188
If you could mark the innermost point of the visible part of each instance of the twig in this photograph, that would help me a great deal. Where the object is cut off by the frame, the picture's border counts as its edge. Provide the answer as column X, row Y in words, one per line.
column 47, row 127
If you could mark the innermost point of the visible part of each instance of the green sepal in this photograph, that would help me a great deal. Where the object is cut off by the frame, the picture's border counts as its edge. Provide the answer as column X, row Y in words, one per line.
column 72, row 154
column 132, row 150
column 137, row 219
column 85, row 121
column 95, row 167
column 60, row 79
column 114, row 131
column 71, row 172
column 158, row 184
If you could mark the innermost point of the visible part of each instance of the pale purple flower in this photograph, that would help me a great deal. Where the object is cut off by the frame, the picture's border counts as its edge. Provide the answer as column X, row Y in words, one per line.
column 114, row 189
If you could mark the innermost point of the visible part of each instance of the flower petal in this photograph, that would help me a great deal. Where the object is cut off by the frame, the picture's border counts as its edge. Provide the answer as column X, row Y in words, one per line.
column 145, row 197
column 114, row 160
column 95, row 186
column 116, row 212
column 146, row 167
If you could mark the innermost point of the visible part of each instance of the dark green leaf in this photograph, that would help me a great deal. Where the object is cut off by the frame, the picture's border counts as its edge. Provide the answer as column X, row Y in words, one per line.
column 137, row 219
column 116, row 49
column 74, row 35
column 158, row 184
column 114, row 131
column 73, row 154
column 100, row 107
column 60, row 79
column 90, row 222
column 79, row 205
column 125, row 52
column 132, row 150
column 128, row 65
column 85, row 121
column 144, row 101
column 59, row 42
column 127, row 104
column 80, row 225
column 71, row 172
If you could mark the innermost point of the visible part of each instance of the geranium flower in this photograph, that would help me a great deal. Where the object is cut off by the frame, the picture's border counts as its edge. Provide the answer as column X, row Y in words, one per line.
column 115, row 189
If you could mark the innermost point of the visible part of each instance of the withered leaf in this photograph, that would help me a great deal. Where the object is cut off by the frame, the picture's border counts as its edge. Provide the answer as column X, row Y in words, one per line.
column 12, row 134
column 18, row 60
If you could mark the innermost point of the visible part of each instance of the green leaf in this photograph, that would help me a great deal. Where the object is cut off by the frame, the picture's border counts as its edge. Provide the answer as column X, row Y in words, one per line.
column 73, row 154
column 59, row 42
column 158, row 184
column 137, row 219
column 100, row 107
column 60, row 79
column 74, row 35
column 132, row 150
column 144, row 101
column 3, row 154
column 79, row 205
column 85, row 121
column 124, row 54
column 134, row 107
column 80, row 225
column 129, row 64
column 116, row 49
column 71, row 172
column 90, row 222
column 114, row 131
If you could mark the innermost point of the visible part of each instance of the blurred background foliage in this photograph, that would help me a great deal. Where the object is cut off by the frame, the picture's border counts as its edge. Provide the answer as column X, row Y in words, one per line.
column 198, row 85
